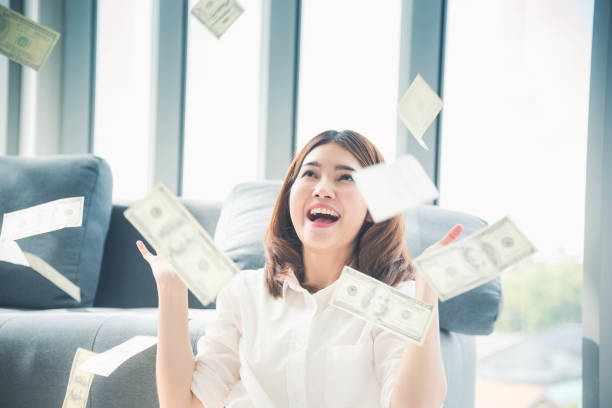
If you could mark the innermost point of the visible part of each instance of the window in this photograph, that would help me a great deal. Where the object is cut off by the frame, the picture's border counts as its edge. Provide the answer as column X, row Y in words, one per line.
column 222, row 104
column 349, row 70
column 514, row 133
column 123, row 100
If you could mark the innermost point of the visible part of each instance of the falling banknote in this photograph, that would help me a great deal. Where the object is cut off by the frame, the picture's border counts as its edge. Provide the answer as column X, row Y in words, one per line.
column 105, row 363
column 177, row 236
column 54, row 276
column 79, row 382
column 382, row 305
column 418, row 108
column 475, row 260
column 42, row 218
column 217, row 15
column 25, row 41
column 11, row 252
column 389, row 189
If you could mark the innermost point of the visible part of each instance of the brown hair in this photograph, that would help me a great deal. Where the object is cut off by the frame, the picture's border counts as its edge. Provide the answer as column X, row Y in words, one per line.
column 380, row 249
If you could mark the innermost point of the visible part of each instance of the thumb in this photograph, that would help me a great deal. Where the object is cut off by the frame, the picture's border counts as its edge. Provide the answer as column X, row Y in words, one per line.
column 452, row 235
column 144, row 251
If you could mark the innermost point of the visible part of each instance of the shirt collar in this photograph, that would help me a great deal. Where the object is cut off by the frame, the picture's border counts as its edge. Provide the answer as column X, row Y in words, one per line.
column 291, row 282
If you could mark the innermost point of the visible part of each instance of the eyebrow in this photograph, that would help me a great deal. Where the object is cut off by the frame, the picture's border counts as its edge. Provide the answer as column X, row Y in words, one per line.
column 338, row 167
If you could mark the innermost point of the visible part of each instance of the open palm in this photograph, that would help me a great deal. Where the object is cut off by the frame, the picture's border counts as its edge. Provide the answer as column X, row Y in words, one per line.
column 162, row 269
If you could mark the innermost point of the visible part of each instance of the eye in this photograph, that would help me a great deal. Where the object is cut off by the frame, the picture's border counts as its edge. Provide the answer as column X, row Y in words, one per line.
column 308, row 173
column 346, row 177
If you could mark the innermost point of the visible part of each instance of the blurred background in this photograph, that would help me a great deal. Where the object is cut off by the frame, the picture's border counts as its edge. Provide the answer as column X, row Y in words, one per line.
column 146, row 86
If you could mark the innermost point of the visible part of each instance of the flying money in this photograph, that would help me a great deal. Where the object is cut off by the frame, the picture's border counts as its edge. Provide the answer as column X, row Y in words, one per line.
column 42, row 218
column 390, row 189
column 79, row 382
column 176, row 235
column 217, row 15
column 382, row 305
column 105, row 363
column 475, row 260
column 53, row 276
column 418, row 108
column 10, row 252
column 25, row 41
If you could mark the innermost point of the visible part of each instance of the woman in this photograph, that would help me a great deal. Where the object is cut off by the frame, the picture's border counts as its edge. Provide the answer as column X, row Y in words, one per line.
column 276, row 342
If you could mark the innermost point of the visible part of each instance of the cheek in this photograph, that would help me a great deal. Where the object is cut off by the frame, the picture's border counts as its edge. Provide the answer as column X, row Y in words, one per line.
column 296, row 203
column 359, row 209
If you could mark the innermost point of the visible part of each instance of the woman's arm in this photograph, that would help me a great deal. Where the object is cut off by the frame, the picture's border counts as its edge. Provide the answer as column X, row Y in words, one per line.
column 175, row 362
column 421, row 380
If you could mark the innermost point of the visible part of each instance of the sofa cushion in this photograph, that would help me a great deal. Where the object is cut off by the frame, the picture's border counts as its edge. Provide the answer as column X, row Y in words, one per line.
column 246, row 213
column 37, row 349
column 74, row 252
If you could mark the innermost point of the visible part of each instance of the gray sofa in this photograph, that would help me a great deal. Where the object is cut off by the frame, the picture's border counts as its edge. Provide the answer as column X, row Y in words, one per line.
column 37, row 346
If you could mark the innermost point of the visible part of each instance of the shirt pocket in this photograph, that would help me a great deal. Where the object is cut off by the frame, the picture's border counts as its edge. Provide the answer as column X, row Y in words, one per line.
column 348, row 374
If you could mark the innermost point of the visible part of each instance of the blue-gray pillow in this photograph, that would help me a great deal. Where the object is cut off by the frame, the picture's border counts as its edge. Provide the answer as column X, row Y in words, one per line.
column 74, row 252
column 246, row 213
column 243, row 221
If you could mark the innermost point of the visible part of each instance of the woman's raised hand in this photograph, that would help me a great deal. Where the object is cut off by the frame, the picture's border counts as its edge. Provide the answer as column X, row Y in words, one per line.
column 163, row 271
column 452, row 235
column 423, row 290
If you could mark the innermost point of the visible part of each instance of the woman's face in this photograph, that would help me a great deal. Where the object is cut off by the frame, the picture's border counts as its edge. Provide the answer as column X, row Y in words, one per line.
column 326, row 207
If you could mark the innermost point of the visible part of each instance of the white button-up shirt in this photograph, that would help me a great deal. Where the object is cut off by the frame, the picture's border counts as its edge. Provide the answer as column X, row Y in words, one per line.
column 296, row 351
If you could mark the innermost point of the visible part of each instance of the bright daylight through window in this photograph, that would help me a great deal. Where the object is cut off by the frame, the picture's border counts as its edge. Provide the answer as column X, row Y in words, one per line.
column 123, row 106
column 348, row 77
column 514, row 132
column 222, row 105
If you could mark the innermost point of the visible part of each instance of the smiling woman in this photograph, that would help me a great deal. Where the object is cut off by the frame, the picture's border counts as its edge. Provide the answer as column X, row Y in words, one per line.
column 276, row 341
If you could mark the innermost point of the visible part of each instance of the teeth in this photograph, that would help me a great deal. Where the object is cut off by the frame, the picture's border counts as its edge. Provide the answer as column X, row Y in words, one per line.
column 324, row 211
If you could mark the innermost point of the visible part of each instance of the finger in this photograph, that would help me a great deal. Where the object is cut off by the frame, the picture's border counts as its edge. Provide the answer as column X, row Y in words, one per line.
column 452, row 235
column 143, row 250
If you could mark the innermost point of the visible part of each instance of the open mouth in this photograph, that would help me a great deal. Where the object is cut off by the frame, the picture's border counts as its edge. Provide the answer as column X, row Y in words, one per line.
column 322, row 215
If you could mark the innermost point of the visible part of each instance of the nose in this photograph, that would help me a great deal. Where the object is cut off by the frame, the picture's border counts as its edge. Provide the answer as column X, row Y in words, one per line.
column 323, row 189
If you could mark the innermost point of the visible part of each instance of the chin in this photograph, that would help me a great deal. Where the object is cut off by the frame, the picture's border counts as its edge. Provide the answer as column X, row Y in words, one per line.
column 317, row 241
column 320, row 242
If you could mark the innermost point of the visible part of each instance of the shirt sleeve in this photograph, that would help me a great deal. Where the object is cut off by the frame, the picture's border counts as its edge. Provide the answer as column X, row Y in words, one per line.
column 388, row 351
column 218, row 360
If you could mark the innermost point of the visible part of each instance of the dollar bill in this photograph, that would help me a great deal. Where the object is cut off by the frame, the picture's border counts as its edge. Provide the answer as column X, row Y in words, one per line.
column 390, row 189
column 79, row 382
column 177, row 236
column 105, row 363
column 25, row 41
column 382, row 305
column 11, row 252
column 418, row 108
column 42, row 218
column 53, row 276
column 217, row 15
column 475, row 260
